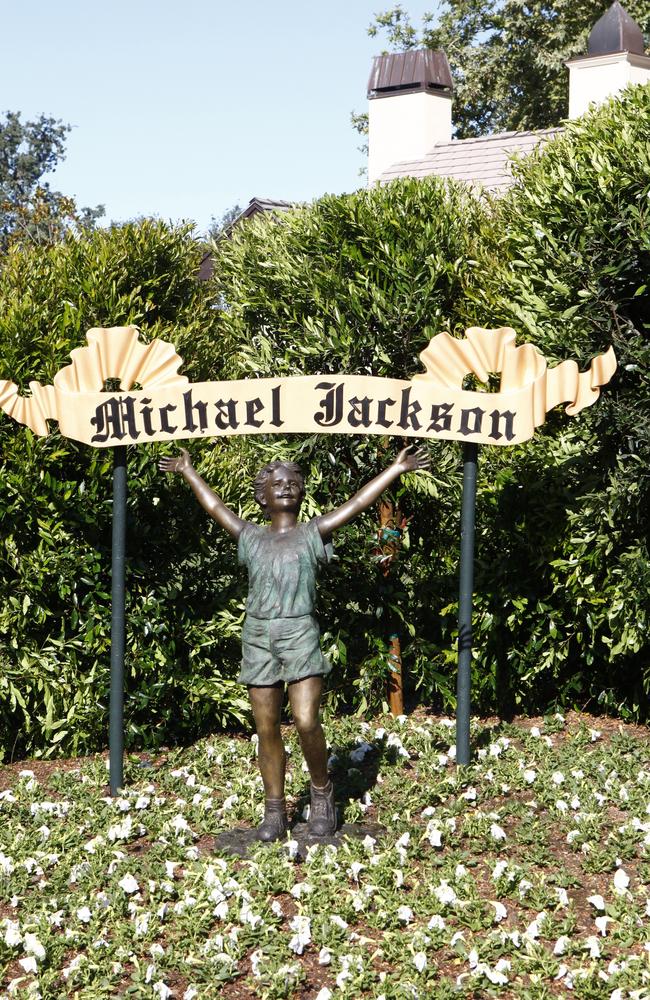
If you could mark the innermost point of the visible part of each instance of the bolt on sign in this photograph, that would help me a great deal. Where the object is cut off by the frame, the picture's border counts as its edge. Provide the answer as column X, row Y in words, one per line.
column 433, row 404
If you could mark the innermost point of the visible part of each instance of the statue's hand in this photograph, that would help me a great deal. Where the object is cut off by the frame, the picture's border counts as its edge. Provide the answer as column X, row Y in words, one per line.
column 180, row 464
column 410, row 459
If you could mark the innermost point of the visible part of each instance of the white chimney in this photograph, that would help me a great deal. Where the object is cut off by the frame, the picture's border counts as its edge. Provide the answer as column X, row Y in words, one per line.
column 616, row 58
column 409, row 109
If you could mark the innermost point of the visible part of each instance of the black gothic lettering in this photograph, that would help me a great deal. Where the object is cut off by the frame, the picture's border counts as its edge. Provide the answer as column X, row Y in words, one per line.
column 164, row 412
column 190, row 408
column 226, row 414
column 275, row 407
column 332, row 405
column 382, row 406
column 476, row 414
column 440, row 417
column 253, row 407
column 359, row 415
column 496, row 417
column 408, row 411
column 115, row 418
column 145, row 413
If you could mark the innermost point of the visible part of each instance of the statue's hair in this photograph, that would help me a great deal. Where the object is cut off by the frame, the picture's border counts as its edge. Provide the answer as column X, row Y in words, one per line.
column 262, row 477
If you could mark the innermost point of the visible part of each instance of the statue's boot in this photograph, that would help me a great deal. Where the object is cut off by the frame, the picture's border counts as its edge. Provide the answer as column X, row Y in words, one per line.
column 274, row 825
column 322, row 814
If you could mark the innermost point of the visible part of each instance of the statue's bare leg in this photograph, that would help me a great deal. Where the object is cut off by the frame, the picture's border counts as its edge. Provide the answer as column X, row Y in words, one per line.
column 267, row 710
column 305, row 699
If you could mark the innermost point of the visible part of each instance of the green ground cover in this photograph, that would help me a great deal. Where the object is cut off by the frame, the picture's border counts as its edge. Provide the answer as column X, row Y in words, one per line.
column 526, row 875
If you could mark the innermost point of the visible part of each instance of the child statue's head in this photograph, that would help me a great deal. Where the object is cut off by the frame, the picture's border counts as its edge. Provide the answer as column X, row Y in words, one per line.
column 279, row 486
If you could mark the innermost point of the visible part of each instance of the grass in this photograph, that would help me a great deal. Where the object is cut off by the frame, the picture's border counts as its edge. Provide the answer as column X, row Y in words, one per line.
column 526, row 875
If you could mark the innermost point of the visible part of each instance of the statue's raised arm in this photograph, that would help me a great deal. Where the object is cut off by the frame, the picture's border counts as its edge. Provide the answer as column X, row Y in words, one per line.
column 410, row 459
column 209, row 500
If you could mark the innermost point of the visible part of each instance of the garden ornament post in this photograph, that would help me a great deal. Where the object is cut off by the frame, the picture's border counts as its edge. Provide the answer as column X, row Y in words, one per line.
column 432, row 405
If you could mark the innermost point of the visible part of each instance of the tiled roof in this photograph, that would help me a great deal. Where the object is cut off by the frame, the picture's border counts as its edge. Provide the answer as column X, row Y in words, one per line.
column 483, row 161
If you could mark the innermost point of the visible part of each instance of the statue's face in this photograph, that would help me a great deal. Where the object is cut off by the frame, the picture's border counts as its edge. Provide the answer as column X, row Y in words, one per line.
column 283, row 490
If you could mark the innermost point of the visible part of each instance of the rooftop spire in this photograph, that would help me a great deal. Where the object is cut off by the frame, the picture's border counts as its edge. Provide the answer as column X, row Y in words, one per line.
column 615, row 32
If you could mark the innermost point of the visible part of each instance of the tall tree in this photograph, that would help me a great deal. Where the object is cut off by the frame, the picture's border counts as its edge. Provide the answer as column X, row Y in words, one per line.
column 29, row 209
column 507, row 57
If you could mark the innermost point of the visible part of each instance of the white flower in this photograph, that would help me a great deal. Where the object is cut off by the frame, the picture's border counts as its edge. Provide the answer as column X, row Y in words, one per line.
column 324, row 956
column 433, row 834
column 529, row 775
column 84, row 914
column 597, row 901
column 535, row 731
column 444, row 893
column 338, row 921
column 420, row 961
column 595, row 734
column 128, row 884
column 305, row 888
column 292, row 849
column 500, row 912
column 437, row 923
column 73, row 965
column 498, row 870
column 621, row 881
column 142, row 802
column 601, row 924
column 142, row 924
column 161, row 990
column 324, row 994
column 534, row 928
column 92, row 845
column 302, row 936
column 470, row 794
column 561, row 945
column 497, row 832
column 6, row 864
column 562, row 896
column 13, row 937
column 594, row 947
column 120, row 831
column 28, row 964
column 360, row 752
column 405, row 914
column 33, row 946
column 557, row 778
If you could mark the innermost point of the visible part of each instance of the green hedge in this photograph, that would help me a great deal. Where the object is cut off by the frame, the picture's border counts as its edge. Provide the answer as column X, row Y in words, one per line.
column 358, row 283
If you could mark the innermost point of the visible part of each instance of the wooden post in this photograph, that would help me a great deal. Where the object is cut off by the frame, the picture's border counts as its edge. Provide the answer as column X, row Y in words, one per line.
column 390, row 530
column 395, row 684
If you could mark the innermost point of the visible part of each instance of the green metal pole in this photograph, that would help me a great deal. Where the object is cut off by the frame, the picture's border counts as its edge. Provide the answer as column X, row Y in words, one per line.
column 116, row 710
column 466, row 589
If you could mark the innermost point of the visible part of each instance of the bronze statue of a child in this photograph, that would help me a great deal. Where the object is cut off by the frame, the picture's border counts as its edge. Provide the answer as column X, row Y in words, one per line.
column 280, row 638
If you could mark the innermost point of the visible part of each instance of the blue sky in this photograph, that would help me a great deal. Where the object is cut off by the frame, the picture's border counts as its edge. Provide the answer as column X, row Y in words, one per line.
column 182, row 108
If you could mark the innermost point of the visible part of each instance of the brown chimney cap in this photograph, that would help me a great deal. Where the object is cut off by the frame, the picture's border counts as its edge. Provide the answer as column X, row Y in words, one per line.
column 405, row 72
column 615, row 32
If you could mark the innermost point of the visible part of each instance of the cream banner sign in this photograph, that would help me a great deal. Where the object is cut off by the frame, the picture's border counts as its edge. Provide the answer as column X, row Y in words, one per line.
column 165, row 406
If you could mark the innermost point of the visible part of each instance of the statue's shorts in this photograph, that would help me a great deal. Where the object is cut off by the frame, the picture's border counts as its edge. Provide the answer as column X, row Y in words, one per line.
column 281, row 649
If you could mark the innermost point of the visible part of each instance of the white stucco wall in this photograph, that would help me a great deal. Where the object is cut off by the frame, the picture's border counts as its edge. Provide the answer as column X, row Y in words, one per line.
column 594, row 79
column 405, row 127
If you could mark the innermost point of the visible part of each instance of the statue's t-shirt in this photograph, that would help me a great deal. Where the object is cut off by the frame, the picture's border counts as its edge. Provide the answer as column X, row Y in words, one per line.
column 282, row 569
